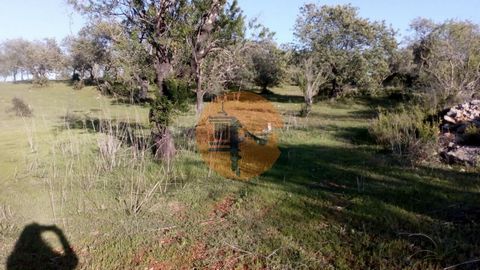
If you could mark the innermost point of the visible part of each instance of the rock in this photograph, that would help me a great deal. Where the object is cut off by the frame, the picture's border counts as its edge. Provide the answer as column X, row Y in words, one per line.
column 452, row 112
column 463, row 155
column 455, row 148
column 475, row 102
column 449, row 119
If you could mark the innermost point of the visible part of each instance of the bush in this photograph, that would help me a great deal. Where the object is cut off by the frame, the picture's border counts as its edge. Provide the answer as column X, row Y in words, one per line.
column 20, row 108
column 406, row 133
column 40, row 81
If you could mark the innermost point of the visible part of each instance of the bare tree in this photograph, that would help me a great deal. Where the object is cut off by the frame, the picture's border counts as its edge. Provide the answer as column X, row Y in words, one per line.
column 311, row 74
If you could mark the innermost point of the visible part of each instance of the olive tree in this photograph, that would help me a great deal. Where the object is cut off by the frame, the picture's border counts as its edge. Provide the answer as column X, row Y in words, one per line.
column 268, row 64
column 162, row 28
column 89, row 49
column 355, row 50
column 211, row 25
column 310, row 73
column 447, row 56
column 43, row 58
column 157, row 25
column 14, row 57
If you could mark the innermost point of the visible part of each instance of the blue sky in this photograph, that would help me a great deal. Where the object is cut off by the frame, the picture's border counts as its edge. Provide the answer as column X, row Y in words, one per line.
column 35, row 19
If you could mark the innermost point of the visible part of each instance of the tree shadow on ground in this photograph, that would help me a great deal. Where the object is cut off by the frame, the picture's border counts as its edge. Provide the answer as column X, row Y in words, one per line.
column 377, row 208
column 363, row 190
column 274, row 97
column 31, row 251
column 130, row 133
column 124, row 101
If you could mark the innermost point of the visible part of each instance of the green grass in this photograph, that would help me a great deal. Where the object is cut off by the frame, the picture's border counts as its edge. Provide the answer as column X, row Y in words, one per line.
column 333, row 200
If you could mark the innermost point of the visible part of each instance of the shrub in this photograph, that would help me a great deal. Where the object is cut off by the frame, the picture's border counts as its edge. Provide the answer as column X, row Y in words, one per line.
column 406, row 133
column 40, row 81
column 20, row 108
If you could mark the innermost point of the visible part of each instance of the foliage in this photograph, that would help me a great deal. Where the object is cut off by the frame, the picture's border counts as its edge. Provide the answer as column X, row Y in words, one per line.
column 406, row 133
column 39, row 59
column 228, row 68
column 310, row 74
column 355, row 50
column 14, row 57
column 89, row 50
column 130, row 67
column 163, row 108
column 232, row 66
column 447, row 58
column 20, row 108
column 268, row 64
column 210, row 25
column 43, row 57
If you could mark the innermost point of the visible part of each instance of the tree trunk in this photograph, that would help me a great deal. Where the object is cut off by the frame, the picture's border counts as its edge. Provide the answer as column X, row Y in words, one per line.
column 196, row 67
column 307, row 109
column 14, row 76
column 143, row 89
column 162, row 140
column 199, row 103
column 200, row 93
column 163, row 145
column 162, row 70
column 334, row 87
column 265, row 90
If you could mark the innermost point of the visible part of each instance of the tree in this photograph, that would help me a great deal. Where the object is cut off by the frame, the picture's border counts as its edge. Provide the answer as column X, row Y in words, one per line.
column 157, row 25
column 4, row 71
column 87, row 50
column 214, row 27
column 447, row 56
column 15, row 56
column 132, row 68
column 268, row 65
column 267, row 61
column 228, row 68
column 43, row 58
column 355, row 50
column 310, row 75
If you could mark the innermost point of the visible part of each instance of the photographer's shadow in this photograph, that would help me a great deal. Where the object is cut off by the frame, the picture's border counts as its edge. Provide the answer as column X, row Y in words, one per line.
column 32, row 252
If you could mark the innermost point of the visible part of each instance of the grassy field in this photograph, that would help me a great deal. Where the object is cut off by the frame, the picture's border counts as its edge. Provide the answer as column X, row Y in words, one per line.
column 333, row 200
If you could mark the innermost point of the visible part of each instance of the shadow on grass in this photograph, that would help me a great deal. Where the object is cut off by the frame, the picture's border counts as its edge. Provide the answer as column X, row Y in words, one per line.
column 123, row 101
column 32, row 252
column 274, row 97
column 130, row 133
column 363, row 191
column 369, row 209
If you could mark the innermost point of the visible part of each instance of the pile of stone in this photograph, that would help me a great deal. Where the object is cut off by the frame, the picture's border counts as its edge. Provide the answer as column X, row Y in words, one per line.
column 455, row 148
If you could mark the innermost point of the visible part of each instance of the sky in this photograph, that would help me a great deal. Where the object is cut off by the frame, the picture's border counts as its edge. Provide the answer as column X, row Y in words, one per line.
column 37, row 19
